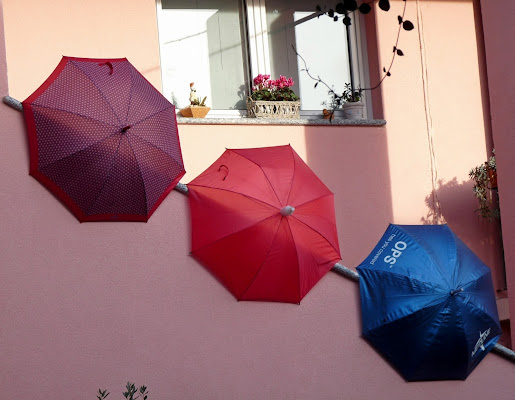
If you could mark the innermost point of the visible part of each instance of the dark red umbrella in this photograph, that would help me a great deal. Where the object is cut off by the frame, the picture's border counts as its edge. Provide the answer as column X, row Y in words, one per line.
column 103, row 140
column 263, row 224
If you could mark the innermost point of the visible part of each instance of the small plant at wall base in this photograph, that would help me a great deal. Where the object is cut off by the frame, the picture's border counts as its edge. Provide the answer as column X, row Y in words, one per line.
column 132, row 392
column 485, row 180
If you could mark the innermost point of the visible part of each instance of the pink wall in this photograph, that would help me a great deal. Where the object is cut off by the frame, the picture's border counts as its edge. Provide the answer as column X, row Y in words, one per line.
column 498, row 29
column 92, row 305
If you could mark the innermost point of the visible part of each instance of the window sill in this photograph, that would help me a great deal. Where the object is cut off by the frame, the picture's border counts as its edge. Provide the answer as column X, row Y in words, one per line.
column 280, row 121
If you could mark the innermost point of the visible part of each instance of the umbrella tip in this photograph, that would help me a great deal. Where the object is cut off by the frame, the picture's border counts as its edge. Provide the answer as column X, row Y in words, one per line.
column 286, row 211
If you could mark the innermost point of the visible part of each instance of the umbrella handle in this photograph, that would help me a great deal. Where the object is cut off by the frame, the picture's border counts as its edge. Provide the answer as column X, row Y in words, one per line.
column 109, row 64
column 227, row 168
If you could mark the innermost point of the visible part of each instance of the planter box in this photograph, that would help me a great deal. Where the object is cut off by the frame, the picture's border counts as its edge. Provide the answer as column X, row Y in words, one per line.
column 353, row 110
column 273, row 109
column 195, row 111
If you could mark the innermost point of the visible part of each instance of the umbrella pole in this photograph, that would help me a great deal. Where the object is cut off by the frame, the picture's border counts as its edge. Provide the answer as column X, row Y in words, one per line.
column 12, row 102
column 344, row 271
column 338, row 268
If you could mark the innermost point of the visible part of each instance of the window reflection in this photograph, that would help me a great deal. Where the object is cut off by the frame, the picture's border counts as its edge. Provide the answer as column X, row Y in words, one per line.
column 201, row 42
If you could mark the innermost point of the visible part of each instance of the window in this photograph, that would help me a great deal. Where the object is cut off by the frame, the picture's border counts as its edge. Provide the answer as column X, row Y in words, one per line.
column 221, row 44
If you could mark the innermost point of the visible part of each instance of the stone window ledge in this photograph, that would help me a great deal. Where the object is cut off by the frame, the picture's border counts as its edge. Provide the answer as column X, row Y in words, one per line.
column 280, row 121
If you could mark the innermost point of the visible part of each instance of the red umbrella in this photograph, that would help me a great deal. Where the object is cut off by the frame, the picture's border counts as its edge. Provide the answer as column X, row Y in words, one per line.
column 103, row 140
column 263, row 224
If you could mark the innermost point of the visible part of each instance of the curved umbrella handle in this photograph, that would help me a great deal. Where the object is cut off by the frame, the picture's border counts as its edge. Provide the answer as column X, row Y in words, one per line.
column 109, row 64
column 227, row 168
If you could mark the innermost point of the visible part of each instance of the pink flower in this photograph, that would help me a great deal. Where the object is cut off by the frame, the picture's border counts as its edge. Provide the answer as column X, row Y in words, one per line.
column 258, row 79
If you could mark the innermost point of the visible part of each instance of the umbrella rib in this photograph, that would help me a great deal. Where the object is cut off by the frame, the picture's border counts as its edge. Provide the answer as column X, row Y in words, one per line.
column 105, row 180
column 99, row 91
column 264, row 258
column 231, row 234
column 455, row 273
column 316, row 231
column 232, row 191
column 309, row 201
column 152, row 115
column 435, row 264
column 153, row 145
column 460, row 305
column 140, row 174
column 486, row 314
column 428, row 343
column 78, row 151
column 433, row 304
column 74, row 113
column 262, row 170
column 158, row 148
column 130, row 96
column 292, row 178
column 411, row 279
column 298, row 261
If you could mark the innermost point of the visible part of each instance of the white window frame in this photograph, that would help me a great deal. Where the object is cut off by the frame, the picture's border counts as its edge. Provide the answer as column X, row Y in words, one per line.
column 259, row 56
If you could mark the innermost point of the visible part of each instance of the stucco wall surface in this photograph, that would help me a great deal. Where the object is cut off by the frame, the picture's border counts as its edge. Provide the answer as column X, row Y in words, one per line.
column 88, row 306
column 498, row 28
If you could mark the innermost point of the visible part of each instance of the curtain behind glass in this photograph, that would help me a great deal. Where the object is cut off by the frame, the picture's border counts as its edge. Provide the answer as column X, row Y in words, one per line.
column 201, row 42
column 322, row 42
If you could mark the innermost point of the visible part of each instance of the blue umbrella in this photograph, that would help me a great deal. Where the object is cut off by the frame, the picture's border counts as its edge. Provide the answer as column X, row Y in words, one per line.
column 428, row 303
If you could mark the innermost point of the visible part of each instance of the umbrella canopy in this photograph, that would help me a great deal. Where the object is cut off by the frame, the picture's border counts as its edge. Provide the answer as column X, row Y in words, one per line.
column 428, row 303
column 263, row 224
column 103, row 140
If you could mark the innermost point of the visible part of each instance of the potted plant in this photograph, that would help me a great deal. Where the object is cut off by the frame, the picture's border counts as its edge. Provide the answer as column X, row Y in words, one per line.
column 349, row 101
column 197, row 107
column 273, row 98
column 485, row 180
column 352, row 106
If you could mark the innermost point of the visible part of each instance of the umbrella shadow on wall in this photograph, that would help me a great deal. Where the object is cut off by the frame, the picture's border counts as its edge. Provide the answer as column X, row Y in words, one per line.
column 454, row 203
column 354, row 164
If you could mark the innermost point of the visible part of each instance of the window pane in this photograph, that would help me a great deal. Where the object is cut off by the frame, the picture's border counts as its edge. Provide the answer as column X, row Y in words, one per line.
column 320, row 41
column 201, row 42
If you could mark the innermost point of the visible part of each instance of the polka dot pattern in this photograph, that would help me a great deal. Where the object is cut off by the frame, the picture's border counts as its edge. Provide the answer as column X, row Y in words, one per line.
column 107, row 138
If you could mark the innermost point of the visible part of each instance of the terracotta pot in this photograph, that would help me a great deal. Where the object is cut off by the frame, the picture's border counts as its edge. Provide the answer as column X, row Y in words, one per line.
column 492, row 176
column 195, row 111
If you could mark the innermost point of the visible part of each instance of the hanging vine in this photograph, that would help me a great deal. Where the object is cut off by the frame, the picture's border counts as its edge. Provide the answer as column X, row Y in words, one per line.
column 343, row 11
